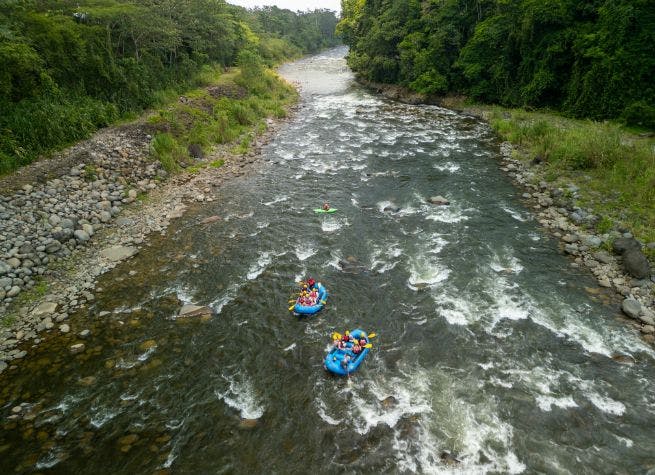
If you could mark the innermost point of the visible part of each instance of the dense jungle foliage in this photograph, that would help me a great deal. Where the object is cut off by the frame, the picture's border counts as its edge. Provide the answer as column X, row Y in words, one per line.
column 71, row 66
column 587, row 59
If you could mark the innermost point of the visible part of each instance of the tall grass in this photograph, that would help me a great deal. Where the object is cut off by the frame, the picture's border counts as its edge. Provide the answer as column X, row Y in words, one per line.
column 614, row 168
column 205, row 121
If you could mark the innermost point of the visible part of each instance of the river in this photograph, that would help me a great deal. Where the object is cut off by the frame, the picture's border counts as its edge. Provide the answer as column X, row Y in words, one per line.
column 491, row 354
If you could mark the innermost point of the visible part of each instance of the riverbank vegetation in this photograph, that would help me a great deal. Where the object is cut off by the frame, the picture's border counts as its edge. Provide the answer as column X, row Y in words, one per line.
column 585, row 59
column 72, row 67
column 613, row 168
column 229, row 109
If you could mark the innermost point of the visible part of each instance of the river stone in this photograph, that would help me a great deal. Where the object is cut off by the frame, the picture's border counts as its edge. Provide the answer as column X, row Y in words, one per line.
column 570, row 238
column 647, row 329
column 623, row 244
column 248, row 423
column 128, row 439
column 14, row 262
column 603, row 257
column 631, row 308
column 53, row 247
column 636, row 264
column 81, row 236
column 146, row 345
column 84, row 334
column 15, row 290
column 195, row 311
column 46, row 308
column 210, row 219
column 88, row 228
column 624, row 359
column 438, row 200
column 3, row 366
column 592, row 241
column 77, row 348
column 64, row 328
column 118, row 253
column 4, row 268
column 67, row 224
column 87, row 381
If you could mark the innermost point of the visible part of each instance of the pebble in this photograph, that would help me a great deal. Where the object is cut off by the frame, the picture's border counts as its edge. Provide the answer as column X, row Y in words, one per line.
column 77, row 348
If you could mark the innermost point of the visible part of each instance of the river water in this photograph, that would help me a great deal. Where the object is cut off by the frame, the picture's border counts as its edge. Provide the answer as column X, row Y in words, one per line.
column 490, row 348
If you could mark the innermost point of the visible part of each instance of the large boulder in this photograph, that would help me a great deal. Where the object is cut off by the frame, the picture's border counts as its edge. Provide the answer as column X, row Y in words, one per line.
column 623, row 244
column 636, row 264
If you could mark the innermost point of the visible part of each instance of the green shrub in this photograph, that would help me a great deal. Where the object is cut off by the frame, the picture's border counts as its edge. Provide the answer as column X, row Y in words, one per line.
column 167, row 150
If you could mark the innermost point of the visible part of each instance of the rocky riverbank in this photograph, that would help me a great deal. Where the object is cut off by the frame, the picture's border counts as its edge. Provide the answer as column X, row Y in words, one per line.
column 67, row 220
column 615, row 258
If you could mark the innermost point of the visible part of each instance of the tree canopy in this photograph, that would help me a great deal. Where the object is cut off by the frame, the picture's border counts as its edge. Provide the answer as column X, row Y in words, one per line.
column 588, row 59
column 70, row 66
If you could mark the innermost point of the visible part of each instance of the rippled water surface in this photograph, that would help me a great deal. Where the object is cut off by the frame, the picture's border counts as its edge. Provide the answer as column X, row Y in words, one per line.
column 489, row 349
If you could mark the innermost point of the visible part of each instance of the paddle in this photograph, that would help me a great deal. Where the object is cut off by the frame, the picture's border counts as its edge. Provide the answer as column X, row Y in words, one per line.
column 323, row 302
column 372, row 335
column 291, row 308
column 336, row 336
column 368, row 345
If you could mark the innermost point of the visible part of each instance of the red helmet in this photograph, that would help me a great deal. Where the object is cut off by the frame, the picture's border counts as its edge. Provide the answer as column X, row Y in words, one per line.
column 311, row 282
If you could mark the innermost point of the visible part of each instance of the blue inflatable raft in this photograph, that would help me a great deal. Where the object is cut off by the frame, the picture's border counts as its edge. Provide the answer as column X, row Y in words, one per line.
column 334, row 360
column 312, row 309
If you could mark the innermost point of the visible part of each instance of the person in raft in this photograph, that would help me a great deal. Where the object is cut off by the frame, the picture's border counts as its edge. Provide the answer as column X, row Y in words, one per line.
column 311, row 283
column 326, row 206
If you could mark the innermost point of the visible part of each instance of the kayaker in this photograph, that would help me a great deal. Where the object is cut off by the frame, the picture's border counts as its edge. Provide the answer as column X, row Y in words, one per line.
column 326, row 206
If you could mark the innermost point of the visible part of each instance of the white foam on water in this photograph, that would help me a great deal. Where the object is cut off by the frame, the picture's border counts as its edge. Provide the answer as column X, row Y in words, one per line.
column 606, row 404
column 260, row 266
column 322, row 413
column 546, row 403
column 505, row 262
column 456, row 311
column 592, row 391
column 447, row 214
column 384, row 257
column 305, row 251
column 146, row 354
column 290, row 347
column 49, row 460
column 184, row 294
column 514, row 214
column 240, row 395
column 331, row 224
column 425, row 268
column 277, row 199
column 449, row 167
column 627, row 442
column 100, row 416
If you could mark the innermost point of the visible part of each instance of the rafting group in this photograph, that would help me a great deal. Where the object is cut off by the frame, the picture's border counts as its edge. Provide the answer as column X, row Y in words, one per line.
column 348, row 350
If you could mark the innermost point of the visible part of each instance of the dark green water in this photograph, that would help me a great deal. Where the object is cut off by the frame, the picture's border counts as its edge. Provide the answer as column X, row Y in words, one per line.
column 489, row 347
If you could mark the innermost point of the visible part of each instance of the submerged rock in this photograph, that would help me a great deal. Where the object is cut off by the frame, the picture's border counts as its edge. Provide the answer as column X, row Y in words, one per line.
column 118, row 253
column 189, row 311
column 210, row 219
column 438, row 200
